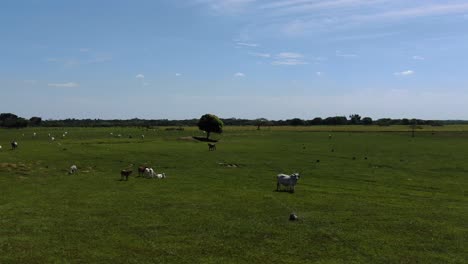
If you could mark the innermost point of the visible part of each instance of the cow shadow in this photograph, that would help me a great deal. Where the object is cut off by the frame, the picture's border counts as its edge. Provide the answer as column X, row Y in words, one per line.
column 283, row 191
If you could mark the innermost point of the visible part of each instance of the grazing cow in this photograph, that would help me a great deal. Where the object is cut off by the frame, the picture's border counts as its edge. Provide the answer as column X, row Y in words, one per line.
column 211, row 147
column 293, row 217
column 149, row 172
column 73, row 169
column 141, row 170
column 161, row 175
column 288, row 181
column 52, row 138
column 14, row 144
column 124, row 174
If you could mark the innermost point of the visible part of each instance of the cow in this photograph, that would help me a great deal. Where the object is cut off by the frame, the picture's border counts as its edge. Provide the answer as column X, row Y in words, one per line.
column 14, row 144
column 161, row 175
column 289, row 181
column 141, row 170
column 73, row 169
column 211, row 147
column 124, row 174
column 149, row 172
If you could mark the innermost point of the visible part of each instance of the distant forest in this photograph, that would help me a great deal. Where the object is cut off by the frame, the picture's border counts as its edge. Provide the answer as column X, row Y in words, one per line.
column 9, row 120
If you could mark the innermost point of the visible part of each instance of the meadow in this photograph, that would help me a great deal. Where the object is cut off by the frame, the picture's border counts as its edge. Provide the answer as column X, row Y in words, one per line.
column 367, row 195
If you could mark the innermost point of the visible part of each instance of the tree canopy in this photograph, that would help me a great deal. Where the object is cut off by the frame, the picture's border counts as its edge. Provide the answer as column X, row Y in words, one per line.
column 210, row 123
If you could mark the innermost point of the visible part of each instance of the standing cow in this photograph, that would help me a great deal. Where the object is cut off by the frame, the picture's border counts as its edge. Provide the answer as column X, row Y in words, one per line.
column 289, row 181
column 14, row 144
column 211, row 147
column 124, row 174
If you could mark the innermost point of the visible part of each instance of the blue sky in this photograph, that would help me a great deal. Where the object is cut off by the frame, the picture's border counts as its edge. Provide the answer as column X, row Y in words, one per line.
column 235, row 58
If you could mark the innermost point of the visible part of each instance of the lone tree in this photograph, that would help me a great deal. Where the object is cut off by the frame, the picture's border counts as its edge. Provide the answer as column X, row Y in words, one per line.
column 259, row 122
column 355, row 119
column 210, row 123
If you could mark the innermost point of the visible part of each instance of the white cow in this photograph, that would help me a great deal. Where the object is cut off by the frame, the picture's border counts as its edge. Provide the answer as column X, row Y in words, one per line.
column 149, row 172
column 161, row 175
column 73, row 169
column 289, row 181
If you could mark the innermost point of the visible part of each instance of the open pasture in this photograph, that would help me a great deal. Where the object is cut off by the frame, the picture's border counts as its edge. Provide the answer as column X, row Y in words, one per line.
column 363, row 197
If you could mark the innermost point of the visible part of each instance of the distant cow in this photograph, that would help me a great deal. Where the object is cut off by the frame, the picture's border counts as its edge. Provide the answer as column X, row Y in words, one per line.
column 125, row 174
column 211, row 147
column 149, row 173
column 141, row 170
column 289, row 181
column 161, row 175
column 14, row 144
column 73, row 169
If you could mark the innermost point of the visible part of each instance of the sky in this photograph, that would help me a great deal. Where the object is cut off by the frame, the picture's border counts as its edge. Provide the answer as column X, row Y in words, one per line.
column 276, row 59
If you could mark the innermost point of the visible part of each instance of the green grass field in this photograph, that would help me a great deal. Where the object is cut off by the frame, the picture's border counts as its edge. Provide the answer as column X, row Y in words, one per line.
column 405, row 203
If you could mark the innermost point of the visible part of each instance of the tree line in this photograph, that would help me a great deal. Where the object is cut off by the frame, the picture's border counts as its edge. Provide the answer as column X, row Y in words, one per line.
column 9, row 120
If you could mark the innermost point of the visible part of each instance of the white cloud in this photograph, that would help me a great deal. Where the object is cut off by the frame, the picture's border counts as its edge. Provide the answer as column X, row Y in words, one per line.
column 289, row 59
column 140, row 76
column 252, row 45
column 289, row 55
column 289, row 62
column 178, row 74
column 418, row 58
column 239, row 74
column 404, row 73
column 346, row 55
column 64, row 85
column 319, row 73
column 262, row 55
column 420, row 11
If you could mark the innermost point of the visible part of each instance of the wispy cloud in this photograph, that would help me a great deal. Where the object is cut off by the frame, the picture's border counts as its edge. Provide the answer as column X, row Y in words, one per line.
column 418, row 58
column 261, row 55
column 289, row 55
column 289, row 59
column 338, row 53
column 244, row 44
column 64, row 62
column 73, row 62
column 178, row 74
column 140, row 76
column 415, row 12
column 225, row 6
column 404, row 73
column 239, row 74
column 319, row 73
column 289, row 62
column 64, row 85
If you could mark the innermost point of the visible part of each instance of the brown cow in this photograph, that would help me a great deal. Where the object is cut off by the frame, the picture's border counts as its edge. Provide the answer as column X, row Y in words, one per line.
column 141, row 170
column 124, row 174
column 211, row 147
